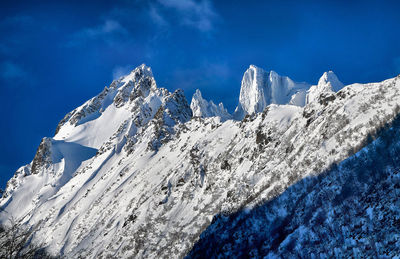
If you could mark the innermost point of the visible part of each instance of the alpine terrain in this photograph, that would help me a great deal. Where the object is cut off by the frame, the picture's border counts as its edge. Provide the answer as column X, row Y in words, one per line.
column 298, row 170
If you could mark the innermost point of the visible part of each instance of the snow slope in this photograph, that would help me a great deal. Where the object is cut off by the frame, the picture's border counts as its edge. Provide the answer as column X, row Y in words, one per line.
column 131, row 173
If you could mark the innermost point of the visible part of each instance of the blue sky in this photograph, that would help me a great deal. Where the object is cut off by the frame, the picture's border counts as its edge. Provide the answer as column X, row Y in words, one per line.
column 54, row 55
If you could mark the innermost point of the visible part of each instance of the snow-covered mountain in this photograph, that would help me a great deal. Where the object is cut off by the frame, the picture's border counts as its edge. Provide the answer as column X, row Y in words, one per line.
column 349, row 211
column 136, row 172
column 202, row 108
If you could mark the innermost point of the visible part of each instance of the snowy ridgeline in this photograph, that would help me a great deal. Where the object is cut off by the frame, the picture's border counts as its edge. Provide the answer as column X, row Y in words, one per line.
column 260, row 89
column 136, row 171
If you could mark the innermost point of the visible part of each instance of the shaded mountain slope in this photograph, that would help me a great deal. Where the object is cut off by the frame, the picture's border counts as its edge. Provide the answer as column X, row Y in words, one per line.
column 350, row 211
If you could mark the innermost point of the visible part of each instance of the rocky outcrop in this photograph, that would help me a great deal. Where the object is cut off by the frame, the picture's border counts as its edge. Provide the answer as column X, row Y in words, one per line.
column 42, row 158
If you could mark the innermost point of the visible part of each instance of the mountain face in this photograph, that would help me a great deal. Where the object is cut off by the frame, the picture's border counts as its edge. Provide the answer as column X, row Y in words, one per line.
column 202, row 108
column 136, row 172
column 349, row 211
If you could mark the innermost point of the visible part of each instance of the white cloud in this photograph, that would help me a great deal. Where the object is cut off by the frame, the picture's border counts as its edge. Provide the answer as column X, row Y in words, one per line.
column 156, row 17
column 121, row 71
column 197, row 14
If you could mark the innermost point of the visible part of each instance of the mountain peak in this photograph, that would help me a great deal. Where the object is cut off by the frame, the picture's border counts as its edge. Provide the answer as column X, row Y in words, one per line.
column 330, row 79
column 137, row 73
column 328, row 83
column 143, row 68
column 254, row 94
column 273, row 74
column 253, row 67
column 261, row 88
column 203, row 108
column 197, row 95
column 140, row 82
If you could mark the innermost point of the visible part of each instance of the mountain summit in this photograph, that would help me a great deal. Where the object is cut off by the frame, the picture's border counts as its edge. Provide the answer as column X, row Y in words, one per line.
column 202, row 108
column 260, row 88
column 327, row 84
column 330, row 79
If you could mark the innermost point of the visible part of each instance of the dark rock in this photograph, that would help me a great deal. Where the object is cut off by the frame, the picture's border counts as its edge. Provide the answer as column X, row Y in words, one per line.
column 43, row 156
column 225, row 165
column 325, row 99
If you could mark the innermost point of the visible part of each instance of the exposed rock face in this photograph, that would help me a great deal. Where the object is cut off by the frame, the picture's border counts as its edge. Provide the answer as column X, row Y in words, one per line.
column 260, row 88
column 172, row 111
column 42, row 159
column 138, row 83
column 204, row 109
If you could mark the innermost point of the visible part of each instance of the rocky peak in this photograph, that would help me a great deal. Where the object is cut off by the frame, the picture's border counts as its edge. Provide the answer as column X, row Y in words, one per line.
column 203, row 108
column 327, row 84
column 173, row 110
column 198, row 104
column 260, row 88
column 177, row 107
column 329, row 79
column 138, row 83
column 254, row 94
column 140, row 71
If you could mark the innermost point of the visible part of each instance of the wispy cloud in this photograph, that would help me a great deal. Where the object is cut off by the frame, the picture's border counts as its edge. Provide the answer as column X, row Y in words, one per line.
column 156, row 16
column 11, row 71
column 13, row 74
column 200, row 15
column 202, row 76
column 121, row 71
column 104, row 31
